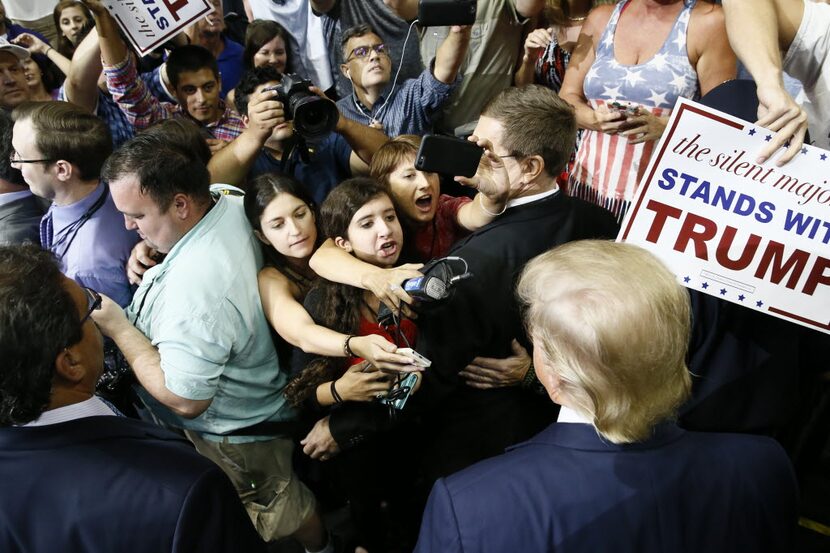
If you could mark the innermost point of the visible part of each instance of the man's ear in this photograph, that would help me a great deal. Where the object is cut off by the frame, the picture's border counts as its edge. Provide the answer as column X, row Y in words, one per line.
column 532, row 168
column 246, row 120
column 343, row 244
column 182, row 204
column 68, row 367
column 344, row 68
column 63, row 170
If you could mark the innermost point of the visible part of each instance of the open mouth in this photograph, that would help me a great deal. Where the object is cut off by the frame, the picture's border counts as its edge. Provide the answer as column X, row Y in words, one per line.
column 424, row 203
column 389, row 248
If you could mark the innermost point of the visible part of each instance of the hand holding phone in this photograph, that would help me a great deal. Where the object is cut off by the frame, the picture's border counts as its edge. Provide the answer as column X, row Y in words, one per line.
column 448, row 155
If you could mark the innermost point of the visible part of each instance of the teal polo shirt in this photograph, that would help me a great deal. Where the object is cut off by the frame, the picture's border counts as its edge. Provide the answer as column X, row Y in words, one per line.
column 201, row 308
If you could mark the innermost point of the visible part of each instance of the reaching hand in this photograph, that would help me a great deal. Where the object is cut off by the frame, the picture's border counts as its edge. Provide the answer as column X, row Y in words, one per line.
column 536, row 41
column 491, row 179
column 385, row 284
column 265, row 113
column 380, row 353
column 486, row 372
column 31, row 43
column 363, row 382
column 320, row 444
column 96, row 7
column 778, row 112
column 110, row 318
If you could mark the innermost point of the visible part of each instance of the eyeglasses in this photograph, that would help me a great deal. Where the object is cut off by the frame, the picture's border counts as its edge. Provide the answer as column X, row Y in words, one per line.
column 14, row 159
column 363, row 51
column 93, row 302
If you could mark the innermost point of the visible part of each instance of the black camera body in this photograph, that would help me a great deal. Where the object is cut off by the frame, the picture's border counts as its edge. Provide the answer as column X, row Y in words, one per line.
column 314, row 117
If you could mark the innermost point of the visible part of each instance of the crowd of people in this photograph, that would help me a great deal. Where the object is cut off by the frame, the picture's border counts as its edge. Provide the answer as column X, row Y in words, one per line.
column 231, row 302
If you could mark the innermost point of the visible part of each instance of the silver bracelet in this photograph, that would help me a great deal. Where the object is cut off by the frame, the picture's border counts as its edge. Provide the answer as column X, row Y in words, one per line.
column 485, row 210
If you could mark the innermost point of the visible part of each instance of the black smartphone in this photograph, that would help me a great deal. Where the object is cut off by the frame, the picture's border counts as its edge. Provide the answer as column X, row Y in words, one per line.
column 448, row 155
column 440, row 13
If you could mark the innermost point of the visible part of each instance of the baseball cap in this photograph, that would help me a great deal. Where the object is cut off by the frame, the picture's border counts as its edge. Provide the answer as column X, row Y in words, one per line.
column 21, row 53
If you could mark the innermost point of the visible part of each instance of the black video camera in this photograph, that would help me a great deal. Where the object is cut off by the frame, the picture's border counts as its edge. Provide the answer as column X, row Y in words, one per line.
column 314, row 117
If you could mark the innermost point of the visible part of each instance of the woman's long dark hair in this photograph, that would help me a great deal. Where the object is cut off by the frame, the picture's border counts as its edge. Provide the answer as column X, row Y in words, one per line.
column 262, row 190
column 339, row 304
column 65, row 47
column 259, row 33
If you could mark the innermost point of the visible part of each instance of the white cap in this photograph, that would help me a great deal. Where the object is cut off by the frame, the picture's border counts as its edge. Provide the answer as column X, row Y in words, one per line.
column 20, row 52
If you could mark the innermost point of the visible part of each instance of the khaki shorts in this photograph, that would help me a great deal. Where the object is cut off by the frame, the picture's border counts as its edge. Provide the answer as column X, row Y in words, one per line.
column 277, row 502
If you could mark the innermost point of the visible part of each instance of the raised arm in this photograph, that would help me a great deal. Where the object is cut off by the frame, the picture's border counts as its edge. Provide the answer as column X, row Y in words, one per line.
column 406, row 9
column 291, row 321
column 231, row 164
column 450, row 54
column 36, row 46
column 758, row 31
column 81, row 84
column 536, row 41
column 332, row 263
column 130, row 93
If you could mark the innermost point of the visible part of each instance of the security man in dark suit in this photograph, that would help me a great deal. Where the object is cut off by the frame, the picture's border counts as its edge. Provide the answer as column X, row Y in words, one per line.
column 77, row 477
column 528, row 134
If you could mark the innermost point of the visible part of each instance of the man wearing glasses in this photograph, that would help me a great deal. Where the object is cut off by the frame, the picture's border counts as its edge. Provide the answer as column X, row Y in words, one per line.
column 101, row 480
column 408, row 108
column 60, row 149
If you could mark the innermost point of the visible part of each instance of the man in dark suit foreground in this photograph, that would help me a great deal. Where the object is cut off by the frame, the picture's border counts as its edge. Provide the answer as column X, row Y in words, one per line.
column 77, row 477
column 610, row 327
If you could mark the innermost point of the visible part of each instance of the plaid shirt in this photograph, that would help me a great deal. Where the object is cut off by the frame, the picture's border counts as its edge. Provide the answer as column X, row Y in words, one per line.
column 143, row 109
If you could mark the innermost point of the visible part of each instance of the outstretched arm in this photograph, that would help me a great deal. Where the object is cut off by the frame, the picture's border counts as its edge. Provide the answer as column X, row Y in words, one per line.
column 758, row 31
column 82, row 81
column 450, row 54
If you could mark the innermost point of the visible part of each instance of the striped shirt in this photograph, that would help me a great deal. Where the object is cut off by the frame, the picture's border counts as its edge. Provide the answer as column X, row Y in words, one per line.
column 143, row 109
column 608, row 168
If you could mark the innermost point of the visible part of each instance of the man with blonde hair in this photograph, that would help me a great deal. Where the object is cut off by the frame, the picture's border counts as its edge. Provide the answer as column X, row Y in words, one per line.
column 610, row 328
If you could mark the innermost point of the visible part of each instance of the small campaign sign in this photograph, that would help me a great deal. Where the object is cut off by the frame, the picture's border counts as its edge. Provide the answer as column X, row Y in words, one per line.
column 149, row 23
column 753, row 234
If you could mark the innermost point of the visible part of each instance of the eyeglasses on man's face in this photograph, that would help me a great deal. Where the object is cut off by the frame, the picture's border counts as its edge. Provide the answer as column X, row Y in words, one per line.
column 363, row 51
column 14, row 159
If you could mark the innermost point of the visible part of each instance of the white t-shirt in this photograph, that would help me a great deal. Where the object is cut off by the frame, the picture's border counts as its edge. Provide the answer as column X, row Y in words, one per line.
column 808, row 60
column 309, row 55
column 29, row 10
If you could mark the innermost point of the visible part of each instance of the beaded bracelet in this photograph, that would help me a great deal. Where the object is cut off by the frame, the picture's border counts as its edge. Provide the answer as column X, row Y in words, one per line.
column 347, row 351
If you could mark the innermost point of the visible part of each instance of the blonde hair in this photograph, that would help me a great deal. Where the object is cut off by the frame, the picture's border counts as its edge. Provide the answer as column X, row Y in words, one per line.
column 613, row 324
column 390, row 155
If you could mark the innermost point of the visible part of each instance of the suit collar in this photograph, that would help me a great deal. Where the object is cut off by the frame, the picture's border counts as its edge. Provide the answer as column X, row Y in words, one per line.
column 585, row 437
column 79, row 431
column 520, row 213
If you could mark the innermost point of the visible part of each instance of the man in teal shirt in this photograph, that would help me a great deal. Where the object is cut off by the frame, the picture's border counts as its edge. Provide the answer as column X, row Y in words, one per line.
column 196, row 335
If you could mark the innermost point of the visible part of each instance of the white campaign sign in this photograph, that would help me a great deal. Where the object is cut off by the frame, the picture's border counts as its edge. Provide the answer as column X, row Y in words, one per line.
column 755, row 235
column 149, row 23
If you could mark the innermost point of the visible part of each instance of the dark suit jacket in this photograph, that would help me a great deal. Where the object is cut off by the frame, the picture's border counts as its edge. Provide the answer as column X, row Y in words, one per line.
column 481, row 319
column 20, row 221
column 106, row 484
column 568, row 491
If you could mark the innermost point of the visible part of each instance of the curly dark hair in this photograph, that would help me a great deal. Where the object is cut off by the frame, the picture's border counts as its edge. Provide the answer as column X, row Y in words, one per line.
column 38, row 319
column 334, row 305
